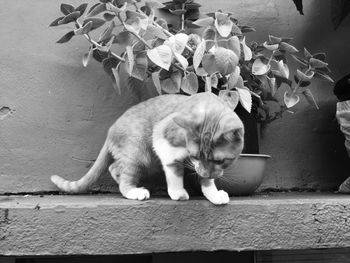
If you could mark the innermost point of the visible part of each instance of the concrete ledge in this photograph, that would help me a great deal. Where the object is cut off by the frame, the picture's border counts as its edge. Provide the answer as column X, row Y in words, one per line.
column 109, row 224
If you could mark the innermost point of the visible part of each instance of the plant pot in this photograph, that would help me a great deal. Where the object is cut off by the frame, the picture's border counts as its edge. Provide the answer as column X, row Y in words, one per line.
column 243, row 178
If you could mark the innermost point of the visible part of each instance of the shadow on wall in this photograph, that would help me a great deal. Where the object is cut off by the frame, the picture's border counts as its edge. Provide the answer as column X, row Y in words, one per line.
column 307, row 147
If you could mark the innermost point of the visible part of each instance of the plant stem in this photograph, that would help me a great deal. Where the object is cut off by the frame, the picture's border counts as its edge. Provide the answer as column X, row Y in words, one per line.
column 93, row 42
column 299, row 82
column 183, row 18
column 273, row 52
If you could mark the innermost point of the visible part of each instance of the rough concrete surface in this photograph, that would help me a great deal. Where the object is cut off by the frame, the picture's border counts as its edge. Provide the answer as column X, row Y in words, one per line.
column 108, row 224
column 54, row 113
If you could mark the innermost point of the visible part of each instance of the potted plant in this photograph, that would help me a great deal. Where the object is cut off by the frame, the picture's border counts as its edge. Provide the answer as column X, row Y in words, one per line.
column 194, row 54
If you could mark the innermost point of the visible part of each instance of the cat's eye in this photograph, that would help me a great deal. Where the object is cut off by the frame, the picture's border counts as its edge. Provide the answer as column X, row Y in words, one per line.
column 222, row 161
column 219, row 162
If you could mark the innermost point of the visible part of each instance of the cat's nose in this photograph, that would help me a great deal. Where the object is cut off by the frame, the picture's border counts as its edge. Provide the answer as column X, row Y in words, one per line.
column 205, row 174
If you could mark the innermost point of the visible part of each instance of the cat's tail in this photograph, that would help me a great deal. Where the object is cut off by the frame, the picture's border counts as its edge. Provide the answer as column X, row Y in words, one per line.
column 90, row 177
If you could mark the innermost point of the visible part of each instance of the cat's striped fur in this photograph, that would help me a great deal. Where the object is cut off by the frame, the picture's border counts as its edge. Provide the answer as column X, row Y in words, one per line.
column 164, row 132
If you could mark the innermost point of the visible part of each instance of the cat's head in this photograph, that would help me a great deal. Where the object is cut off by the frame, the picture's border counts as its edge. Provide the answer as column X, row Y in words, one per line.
column 214, row 136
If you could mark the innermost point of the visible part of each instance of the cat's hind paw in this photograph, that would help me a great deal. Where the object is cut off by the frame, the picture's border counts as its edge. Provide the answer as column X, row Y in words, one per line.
column 178, row 195
column 220, row 198
column 138, row 194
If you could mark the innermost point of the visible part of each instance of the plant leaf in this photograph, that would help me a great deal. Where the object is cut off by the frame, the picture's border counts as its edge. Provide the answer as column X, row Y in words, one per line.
column 124, row 38
column 290, row 100
column 81, row 8
column 183, row 61
column 247, row 29
column 190, row 83
column 154, row 4
column 204, row 22
column 233, row 78
column 115, row 72
column 208, row 63
column 302, row 83
column 320, row 56
column 170, row 86
column 155, row 31
column 274, row 40
column 307, row 54
column 283, row 69
column 178, row 12
column 69, row 18
column 321, row 75
column 303, row 76
column 198, row 54
column 234, row 45
column 107, row 33
column 97, row 10
column 316, row 63
column 301, row 61
column 96, row 22
column 66, row 9
column 108, row 16
column 226, row 60
column 223, row 24
column 130, row 59
column 299, row 6
column 177, row 43
column 109, row 63
column 161, row 56
column 209, row 33
column 260, row 68
column 66, row 37
column 140, row 66
column 84, row 30
column 86, row 57
column 245, row 98
column 248, row 55
column 272, row 84
column 310, row 98
column 287, row 47
column 55, row 22
column 156, row 81
column 271, row 47
column 231, row 97
column 99, row 55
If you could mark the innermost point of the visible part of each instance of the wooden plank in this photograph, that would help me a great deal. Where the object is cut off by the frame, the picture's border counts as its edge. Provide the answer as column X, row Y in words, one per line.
column 337, row 255
column 109, row 224
column 7, row 259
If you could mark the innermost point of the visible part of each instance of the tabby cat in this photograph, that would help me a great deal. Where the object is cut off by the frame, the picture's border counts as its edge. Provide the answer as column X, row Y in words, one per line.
column 166, row 131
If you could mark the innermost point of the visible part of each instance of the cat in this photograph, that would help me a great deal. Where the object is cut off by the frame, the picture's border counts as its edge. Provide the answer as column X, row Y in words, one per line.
column 164, row 132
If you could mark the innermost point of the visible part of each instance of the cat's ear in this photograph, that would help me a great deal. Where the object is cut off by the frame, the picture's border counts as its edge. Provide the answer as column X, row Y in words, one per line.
column 185, row 122
column 235, row 135
column 182, row 121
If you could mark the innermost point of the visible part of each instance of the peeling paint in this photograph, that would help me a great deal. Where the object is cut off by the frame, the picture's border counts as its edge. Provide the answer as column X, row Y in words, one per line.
column 5, row 112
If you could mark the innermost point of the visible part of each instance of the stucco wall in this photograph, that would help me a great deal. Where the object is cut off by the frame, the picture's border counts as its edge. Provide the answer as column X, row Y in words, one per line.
column 55, row 112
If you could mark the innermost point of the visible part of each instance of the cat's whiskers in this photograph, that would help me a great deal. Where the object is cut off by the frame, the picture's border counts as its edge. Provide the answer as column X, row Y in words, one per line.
column 185, row 163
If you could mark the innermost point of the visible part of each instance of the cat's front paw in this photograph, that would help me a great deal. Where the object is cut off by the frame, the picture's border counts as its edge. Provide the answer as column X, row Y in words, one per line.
column 138, row 194
column 219, row 198
column 178, row 194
